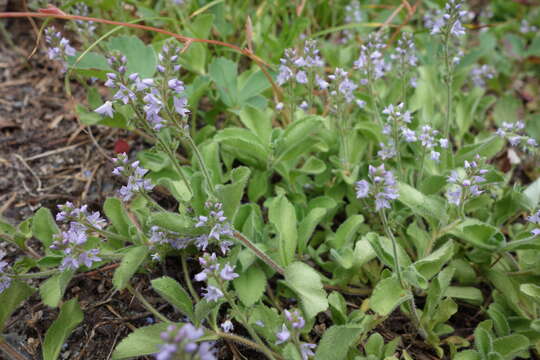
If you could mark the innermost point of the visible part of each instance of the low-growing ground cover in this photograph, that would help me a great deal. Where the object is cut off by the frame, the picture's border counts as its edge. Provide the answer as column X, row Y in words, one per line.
column 293, row 180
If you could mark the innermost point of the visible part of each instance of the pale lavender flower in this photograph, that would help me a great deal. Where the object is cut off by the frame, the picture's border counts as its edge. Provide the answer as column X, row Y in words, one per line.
column 227, row 273
column 306, row 350
column 5, row 281
column 525, row 27
column 513, row 132
column 106, row 109
column 227, row 326
column 294, row 317
column 59, row 47
column 353, row 15
column 388, row 151
column 136, row 182
column 279, row 106
column 283, row 335
column 212, row 293
column 69, row 263
column 362, row 189
column 370, row 62
column 180, row 106
column 342, row 87
column 181, row 343
column 535, row 220
column 382, row 186
column 87, row 258
column 479, row 74
column 468, row 183
column 448, row 22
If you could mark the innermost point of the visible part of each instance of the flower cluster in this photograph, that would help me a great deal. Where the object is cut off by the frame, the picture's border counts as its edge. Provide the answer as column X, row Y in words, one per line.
column 382, row 187
column 481, row 73
column 371, row 63
column 341, row 86
column 291, row 329
column 213, row 270
column 154, row 93
column 86, row 27
column 136, row 182
column 73, row 241
column 388, row 150
column 353, row 15
column 181, row 343
column 59, row 47
column 429, row 139
column 449, row 22
column 513, row 132
column 5, row 281
column 159, row 236
column 219, row 226
column 296, row 66
column 525, row 27
column 466, row 184
column 397, row 118
column 533, row 219
column 405, row 53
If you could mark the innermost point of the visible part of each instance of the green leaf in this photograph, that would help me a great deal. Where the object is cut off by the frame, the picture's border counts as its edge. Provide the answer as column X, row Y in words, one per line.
column 388, row 295
column 480, row 234
column 510, row 346
column 533, row 290
column 173, row 222
column 308, row 225
column 178, row 188
column 174, row 293
column 485, row 148
column 422, row 205
column 11, row 299
column 70, row 316
column 282, row 215
column 375, row 345
column 52, row 290
column 117, row 214
column 250, row 285
column 44, row 227
column 432, row 264
column 231, row 194
column 338, row 307
column 258, row 121
column 224, row 73
column 483, row 341
column 141, row 58
column 255, row 84
column 245, row 146
column 313, row 166
column 346, row 231
column 307, row 284
column 143, row 341
column 532, row 194
column 506, row 110
column 337, row 341
column 131, row 261
column 467, row 355
column 469, row 293
column 290, row 352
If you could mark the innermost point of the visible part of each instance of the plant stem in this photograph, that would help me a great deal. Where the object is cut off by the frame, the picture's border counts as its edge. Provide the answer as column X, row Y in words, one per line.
column 35, row 275
column 448, row 80
column 394, row 248
column 261, row 255
column 187, row 279
column 244, row 341
column 202, row 164
column 146, row 304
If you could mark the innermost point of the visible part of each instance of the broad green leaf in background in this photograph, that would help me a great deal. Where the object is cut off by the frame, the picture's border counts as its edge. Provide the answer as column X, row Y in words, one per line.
column 44, row 227
column 486, row 148
column 258, row 121
column 532, row 194
column 336, row 342
column 533, row 290
column 282, row 215
column 432, row 264
column 307, row 284
column 70, row 316
column 231, row 194
column 11, row 299
column 131, row 261
column 143, row 341
column 52, row 290
column 141, row 58
column 388, row 295
column 422, row 205
column 346, row 231
column 250, row 285
column 174, row 293
column 510, row 346
column 223, row 72
column 307, row 226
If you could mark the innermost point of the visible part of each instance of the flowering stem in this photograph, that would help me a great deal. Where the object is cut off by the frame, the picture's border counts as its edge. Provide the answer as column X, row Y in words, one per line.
column 202, row 164
column 394, row 247
column 448, row 80
column 187, row 279
column 261, row 255
column 146, row 304
column 422, row 161
column 243, row 319
column 395, row 135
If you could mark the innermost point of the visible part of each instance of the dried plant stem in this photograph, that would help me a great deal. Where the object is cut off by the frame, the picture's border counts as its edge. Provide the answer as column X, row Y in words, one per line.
column 261, row 255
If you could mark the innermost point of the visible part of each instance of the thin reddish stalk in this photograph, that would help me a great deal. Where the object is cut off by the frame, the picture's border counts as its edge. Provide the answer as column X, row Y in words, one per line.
column 182, row 38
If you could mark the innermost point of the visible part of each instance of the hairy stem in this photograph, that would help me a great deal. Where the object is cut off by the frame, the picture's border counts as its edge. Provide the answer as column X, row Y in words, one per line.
column 146, row 304
column 260, row 254
column 187, row 279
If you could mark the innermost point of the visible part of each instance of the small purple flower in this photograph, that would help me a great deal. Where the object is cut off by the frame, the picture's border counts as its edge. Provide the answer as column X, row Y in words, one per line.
column 283, row 335
column 106, row 109
column 212, row 293
column 69, row 263
column 227, row 326
column 5, row 281
column 306, row 350
column 296, row 320
column 87, row 258
column 180, row 343
column 362, row 189
column 180, row 106
column 382, row 187
column 227, row 273
column 535, row 220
